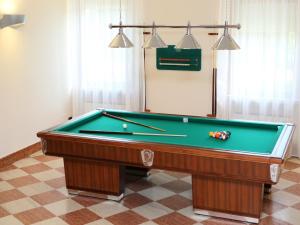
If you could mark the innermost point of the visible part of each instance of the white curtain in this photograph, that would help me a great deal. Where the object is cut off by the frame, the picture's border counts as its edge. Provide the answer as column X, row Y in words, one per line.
column 103, row 77
column 262, row 80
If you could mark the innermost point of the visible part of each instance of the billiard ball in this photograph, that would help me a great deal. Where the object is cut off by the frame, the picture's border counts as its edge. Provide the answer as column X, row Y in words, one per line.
column 125, row 126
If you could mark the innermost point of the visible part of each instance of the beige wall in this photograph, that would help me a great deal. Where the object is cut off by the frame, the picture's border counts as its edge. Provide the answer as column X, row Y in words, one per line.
column 33, row 86
column 174, row 91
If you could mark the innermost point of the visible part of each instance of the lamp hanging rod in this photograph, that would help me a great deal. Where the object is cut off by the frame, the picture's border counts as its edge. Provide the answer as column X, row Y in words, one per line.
column 236, row 26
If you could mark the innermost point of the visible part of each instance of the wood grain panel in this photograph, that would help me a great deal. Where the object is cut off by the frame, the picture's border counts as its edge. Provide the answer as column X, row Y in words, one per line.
column 228, row 196
column 100, row 177
column 190, row 163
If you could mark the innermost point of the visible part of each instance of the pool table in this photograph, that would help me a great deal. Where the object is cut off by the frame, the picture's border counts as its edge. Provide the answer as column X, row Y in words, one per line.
column 228, row 177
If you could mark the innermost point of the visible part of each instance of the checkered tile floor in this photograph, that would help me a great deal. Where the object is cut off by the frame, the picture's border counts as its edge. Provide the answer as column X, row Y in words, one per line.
column 32, row 191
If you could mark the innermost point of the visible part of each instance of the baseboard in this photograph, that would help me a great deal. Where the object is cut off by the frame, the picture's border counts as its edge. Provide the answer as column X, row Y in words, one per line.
column 23, row 153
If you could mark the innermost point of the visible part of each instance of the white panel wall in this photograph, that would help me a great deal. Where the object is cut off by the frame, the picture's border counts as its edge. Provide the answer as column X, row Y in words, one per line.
column 33, row 84
column 174, row 91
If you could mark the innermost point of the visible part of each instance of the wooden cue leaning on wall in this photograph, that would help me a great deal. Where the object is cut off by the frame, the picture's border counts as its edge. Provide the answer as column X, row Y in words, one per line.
column 214, row 82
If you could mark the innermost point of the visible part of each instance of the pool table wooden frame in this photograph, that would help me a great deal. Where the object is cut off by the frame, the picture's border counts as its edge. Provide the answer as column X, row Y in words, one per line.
column 227, row 184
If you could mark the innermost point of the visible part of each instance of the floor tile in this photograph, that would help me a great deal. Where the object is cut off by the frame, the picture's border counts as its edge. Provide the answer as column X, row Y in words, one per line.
column 48, row 197
column 149, row 223
column 218, row 221
column 130, row 217
column 187, row 194
column 3, row 212
column 52, row 221
column 288, row 165
column 35, row 189
column 64, row 191
column 178, row 175
column 25, row 162
column 87, row 201
column 156, row 193
column 269, row 220
column 291, row 176
column 80, row 217
column 47, row 175
column 23, row 181
column 107, row 208
column 61, row 170
column 7, row 168
column 294, row 159
column 295, row 189
column 5, row 186
column 152, row 210
column 176, row 202
column 297, row 206
column 290, row 215
column 100, row 222
column 283, row 183
column 174, row 219
column 297, row 170
column 40, row 167
column 189, row 212
column 187, row 179
column 55, row 163
column 38, row 153
column 135, row 200
column 20, row 205
column 160, row 178
column 11, row 174
column 34, row 215
column 284, row 198
column 270, row 207
column 45, row 158
column 63, row 207
column 140, row 185
column 10, row 195
column 177, row 186
column 57, row 182
column 10, row 220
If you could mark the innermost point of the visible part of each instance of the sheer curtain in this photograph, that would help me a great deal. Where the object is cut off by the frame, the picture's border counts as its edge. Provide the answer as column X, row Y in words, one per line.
column 101, row 76
column 262, row 80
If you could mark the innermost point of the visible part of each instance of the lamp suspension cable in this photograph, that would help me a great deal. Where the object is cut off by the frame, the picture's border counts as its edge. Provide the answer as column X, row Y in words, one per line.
column 121, row 40
column 120, row 10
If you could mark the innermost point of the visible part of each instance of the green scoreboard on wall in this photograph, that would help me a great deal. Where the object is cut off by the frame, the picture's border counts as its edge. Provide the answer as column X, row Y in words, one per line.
column 178, row 59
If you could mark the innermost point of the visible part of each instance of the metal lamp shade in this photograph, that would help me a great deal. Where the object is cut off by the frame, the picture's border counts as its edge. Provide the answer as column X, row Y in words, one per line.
column 188, row 42
column 155, row 41
column 121, row 41
column 226, row 42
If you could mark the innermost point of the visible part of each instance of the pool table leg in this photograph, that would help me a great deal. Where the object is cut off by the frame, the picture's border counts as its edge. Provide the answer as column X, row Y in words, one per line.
column 267, row 188
column 95, row 179
column 137, row 171
column 226, row 198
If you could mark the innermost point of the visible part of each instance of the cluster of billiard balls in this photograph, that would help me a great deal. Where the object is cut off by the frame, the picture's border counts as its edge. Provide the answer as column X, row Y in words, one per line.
column 222, row 135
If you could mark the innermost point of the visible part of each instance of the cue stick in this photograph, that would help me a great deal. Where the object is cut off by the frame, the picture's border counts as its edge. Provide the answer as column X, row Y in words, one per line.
column 214, row 87
column 131, row 121
column 129, row 133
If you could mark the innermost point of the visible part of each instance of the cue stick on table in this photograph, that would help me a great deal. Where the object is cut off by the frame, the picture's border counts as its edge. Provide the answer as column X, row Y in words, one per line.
column 129, row 133
column 131, row 121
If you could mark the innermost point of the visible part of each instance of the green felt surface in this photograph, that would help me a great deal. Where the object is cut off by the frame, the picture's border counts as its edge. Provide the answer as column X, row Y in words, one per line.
column 252, row 137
